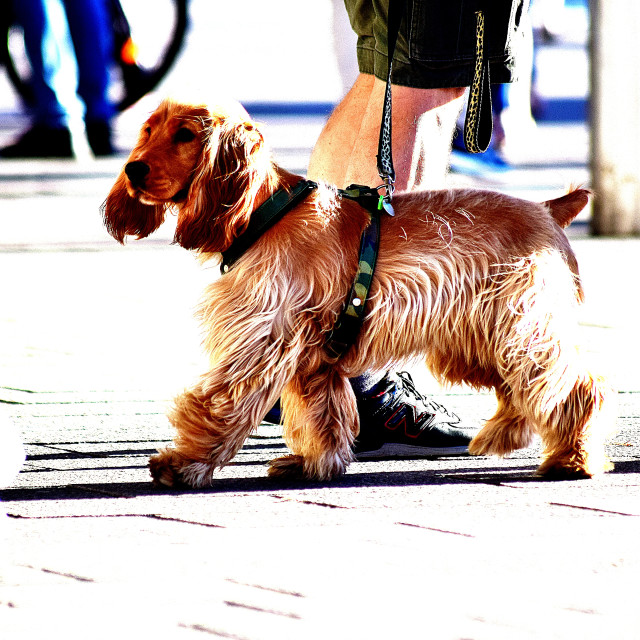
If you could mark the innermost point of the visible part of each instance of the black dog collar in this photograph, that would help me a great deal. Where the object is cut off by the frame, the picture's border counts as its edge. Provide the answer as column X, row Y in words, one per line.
column 264, row 217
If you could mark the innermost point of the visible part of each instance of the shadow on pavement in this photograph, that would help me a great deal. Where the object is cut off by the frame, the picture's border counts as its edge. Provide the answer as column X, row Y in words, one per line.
column 467, row 475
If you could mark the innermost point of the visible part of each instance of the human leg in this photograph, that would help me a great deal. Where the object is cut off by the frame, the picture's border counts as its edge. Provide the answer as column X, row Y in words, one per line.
column 423, row 124
column 49, row 135
column 92, row 41
column 395, row 418
column 45, row 57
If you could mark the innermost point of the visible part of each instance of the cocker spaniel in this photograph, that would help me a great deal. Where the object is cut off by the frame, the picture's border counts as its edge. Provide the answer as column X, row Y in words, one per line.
column 483, row 286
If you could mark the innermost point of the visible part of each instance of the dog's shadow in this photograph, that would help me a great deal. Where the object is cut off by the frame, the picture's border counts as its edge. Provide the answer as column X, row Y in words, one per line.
column 263, row 483
column 467, row 475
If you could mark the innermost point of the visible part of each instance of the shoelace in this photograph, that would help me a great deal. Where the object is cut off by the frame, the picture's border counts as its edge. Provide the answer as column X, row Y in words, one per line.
column 408, row 386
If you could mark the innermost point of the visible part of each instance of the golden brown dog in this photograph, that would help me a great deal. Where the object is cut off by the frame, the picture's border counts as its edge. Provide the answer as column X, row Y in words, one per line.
column 483, row 286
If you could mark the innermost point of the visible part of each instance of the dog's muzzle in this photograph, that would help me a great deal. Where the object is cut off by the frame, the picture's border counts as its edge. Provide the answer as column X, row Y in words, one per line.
column 137, row 171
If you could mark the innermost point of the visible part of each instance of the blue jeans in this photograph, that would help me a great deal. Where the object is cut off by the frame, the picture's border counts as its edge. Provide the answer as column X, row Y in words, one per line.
column 91, row 34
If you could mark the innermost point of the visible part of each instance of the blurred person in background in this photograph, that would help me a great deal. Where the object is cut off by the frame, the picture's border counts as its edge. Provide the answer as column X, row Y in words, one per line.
column 89, row 25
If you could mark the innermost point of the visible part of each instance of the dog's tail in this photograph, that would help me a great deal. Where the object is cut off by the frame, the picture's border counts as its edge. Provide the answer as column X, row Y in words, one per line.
column 565, row 209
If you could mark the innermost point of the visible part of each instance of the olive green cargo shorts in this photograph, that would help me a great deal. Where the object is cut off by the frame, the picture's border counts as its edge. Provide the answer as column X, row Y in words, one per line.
column 437, row 40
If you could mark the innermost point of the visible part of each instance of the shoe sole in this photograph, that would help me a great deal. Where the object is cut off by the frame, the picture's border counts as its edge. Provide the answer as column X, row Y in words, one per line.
column 398, row 450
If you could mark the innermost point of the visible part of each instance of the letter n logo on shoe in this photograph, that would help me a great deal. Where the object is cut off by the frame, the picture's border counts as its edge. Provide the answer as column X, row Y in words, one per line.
column 405, row 417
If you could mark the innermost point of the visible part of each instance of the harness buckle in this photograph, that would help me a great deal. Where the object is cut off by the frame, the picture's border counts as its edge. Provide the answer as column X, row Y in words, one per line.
column 384, row 201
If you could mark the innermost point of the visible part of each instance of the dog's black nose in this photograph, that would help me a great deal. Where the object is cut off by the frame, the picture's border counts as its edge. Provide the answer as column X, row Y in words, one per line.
column 136, row 172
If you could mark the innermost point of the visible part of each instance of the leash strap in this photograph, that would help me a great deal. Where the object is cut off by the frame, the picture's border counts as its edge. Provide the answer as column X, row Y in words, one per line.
column 478, row 125
column 385, row 157
column 478, row 130
column 347, row 327
column 264, row 217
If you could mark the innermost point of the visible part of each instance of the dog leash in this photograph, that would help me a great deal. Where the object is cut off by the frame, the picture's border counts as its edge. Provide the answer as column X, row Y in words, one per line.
column 478, row 129
column 385, row 156
column 346, row 329
column 477, row 135
column 478, row 124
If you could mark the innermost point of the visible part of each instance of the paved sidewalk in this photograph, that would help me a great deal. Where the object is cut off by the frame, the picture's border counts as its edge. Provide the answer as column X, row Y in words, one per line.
column 96, row 339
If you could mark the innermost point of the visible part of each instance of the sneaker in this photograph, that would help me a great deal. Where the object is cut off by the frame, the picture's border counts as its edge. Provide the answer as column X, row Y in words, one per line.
column 274, row 415
column 396, row 420
column 41, row 141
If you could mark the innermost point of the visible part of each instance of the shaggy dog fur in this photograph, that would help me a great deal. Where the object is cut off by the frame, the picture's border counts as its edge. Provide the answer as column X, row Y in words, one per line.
column 483, row 286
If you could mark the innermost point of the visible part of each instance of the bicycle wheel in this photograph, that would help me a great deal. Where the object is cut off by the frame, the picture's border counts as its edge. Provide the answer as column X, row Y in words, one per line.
column 144, row 49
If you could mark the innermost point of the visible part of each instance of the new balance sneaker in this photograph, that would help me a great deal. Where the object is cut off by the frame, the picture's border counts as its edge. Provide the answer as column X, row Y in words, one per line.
column 396, row 420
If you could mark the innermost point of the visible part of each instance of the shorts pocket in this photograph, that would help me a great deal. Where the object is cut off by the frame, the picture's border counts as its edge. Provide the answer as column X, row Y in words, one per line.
column 445, row 32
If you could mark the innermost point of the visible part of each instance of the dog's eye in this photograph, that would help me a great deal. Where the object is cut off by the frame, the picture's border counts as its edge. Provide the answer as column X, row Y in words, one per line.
column 184, row 135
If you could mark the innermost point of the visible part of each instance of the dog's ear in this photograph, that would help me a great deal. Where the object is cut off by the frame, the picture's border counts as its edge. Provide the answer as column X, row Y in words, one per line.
column 125, row 216
column 223, row 191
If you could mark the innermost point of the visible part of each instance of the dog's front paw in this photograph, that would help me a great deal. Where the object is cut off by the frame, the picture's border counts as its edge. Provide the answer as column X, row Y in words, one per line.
column 165, row 468
column 296, row 467
column 170, row 469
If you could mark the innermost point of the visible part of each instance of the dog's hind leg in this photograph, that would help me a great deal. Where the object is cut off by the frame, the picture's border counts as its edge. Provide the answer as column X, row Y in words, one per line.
column 569, row 409
column 505, row 432
column 536, row 355
column 574, row 433
column 553, row 395
column 321, row 423
column 538, row 358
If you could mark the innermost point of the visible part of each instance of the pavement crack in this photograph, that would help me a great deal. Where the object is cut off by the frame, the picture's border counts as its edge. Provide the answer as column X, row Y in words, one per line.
column 157, row 516
column 63, row 574
column 315, row 503
column 284, row 592
column 213, row 632
column 102, row 492
column 61, row 453
column 594, row 509
column 420, row 526
column 249, row 607
column 102, row 442
column 328, row 505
